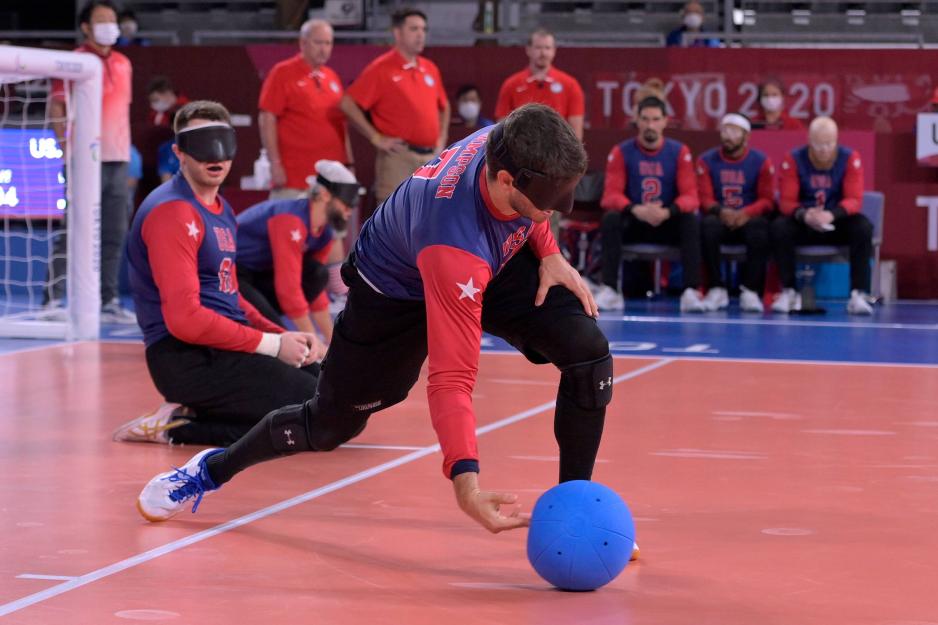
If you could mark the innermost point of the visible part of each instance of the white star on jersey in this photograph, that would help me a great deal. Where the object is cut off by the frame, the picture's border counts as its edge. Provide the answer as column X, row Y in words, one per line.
column 295, row 235
column 193, row 229
column 468, row 290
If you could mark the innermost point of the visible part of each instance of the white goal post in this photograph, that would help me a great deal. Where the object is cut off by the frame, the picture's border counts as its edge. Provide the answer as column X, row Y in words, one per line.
column 82, row 72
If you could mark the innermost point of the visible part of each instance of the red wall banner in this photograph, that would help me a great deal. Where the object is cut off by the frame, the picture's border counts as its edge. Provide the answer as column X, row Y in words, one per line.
column 876, row 91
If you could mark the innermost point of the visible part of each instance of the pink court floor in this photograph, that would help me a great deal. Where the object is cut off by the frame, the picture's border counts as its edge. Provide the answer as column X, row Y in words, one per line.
column 770, row 493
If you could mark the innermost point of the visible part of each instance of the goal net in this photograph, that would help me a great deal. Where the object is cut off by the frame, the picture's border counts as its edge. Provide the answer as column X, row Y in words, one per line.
column 49, row 193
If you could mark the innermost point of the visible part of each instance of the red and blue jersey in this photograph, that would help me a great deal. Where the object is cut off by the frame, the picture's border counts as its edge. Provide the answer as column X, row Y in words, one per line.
column 276, row 235
column 747, row 183
column 182, row 257
column 635, row 175
column 440, row 239
column 838, row 189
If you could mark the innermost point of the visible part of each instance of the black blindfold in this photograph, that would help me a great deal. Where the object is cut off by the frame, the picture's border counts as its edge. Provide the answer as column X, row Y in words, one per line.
column 347, row 192
column 544, row 192
column 208, row 144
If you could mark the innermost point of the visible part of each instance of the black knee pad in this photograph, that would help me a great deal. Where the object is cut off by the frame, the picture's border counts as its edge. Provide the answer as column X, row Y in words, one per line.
column 288, row 429
column 588, row 384
column 329, row 425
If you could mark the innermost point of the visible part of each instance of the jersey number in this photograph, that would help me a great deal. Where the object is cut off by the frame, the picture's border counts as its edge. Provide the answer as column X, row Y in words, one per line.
column 651, row 190
column 820, row 198
column 225, row 280
column 435, row 167
column 732, row 196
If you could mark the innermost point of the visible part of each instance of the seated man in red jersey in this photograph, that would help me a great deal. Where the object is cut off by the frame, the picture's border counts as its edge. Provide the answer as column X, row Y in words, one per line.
column 820, row 200
column 283, row 246
column 650, row 196
column 737, row 193
column 206, row 347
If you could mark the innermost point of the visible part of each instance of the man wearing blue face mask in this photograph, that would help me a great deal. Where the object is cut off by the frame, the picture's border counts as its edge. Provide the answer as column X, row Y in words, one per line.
column 98, row 23
column 692, row 18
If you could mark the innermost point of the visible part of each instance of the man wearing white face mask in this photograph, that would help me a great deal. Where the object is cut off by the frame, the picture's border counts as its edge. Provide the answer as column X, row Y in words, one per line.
column 98, row 23
column 771, row 114
column 692, row 19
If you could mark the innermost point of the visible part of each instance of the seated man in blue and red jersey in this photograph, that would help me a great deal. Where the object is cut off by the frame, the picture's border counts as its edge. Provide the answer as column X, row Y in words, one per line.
column 283, row 246
column 461, row 246
column 650, row 196
column 737, row 193
column 206, row 348
column 820, row 200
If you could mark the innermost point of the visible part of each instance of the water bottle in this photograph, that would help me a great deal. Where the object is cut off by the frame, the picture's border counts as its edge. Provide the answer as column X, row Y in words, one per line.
column 488, row 17
column 262, row 171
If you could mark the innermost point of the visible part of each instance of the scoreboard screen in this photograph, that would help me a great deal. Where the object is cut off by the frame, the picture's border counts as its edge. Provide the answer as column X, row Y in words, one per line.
column 32, row 174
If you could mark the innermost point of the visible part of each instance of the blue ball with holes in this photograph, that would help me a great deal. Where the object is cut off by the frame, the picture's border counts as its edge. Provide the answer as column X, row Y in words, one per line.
column 581, row 535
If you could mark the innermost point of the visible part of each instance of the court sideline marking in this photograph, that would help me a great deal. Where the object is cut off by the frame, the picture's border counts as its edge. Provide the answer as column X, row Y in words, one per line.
column 176, row 545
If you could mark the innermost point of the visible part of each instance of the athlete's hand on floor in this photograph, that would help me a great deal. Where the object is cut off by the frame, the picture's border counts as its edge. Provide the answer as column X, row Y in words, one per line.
column 294, row 348
column 555, row 270
column 484, row 507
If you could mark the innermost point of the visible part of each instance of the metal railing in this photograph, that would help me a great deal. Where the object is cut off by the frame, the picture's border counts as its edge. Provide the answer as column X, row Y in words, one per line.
column 816, row 39
column 163, row 36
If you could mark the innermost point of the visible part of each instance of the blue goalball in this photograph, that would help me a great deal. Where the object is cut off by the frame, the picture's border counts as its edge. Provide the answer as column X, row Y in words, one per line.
column 581, row 535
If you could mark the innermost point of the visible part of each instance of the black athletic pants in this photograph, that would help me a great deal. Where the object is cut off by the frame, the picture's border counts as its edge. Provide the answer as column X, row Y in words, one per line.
column 754, row 235
column 854, row 231
column 229, row 391
column 380, row 344
column 682, row 231
column 257, row 287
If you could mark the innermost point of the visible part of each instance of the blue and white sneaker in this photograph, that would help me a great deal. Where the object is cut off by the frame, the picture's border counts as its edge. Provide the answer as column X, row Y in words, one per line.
column 166, row 494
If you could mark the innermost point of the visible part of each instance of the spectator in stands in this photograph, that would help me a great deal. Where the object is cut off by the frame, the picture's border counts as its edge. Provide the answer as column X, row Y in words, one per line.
column 469, row 109
column 737, row 193
column 300, row 120
column 771, row 114
column 404, row 95
column 165, row 100
column 692, row 19
column 206, row 348
column 820, row 201
column 98, row 23
column 541, row 82
column 650, row 196
column 127, row 22
column 283, row 246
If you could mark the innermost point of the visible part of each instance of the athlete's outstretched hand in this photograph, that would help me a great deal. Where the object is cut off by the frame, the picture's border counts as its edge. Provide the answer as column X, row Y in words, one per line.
column 485, row 506
column 555, row 270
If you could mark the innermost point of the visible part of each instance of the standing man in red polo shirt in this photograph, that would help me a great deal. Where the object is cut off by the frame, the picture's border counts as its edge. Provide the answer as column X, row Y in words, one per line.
column 404, row 96
column 98, row 23
column 541, row 82
column 300, row 120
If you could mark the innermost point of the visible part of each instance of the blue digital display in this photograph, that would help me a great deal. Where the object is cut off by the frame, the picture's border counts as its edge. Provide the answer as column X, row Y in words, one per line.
column 32, row 174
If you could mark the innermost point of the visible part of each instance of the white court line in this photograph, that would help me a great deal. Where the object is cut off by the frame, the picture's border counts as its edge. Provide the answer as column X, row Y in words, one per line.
column 54, row 577
column 391, row 447
column 770, row 322
column 176, row 545
column 762, row 361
